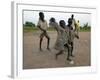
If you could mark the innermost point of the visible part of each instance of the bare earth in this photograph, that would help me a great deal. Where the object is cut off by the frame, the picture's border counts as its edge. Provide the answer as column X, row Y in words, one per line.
column 33, row 58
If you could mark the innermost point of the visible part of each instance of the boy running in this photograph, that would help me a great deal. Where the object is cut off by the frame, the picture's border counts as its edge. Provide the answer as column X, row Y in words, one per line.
column 71, row 36
column 61, row 36
column 42, row 25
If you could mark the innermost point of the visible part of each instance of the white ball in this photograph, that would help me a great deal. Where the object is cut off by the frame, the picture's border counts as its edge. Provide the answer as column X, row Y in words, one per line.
column 71, row 62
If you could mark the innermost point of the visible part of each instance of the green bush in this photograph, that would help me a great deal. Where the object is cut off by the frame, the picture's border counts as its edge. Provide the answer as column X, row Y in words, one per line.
column 29, row 24
column 85, row 27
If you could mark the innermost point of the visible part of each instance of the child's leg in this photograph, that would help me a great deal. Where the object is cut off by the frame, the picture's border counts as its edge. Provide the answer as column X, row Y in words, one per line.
column 48, row 40
column 69, row 51
column 76, row 35
column 72, row 46
column 41, row 39
column 59, row 53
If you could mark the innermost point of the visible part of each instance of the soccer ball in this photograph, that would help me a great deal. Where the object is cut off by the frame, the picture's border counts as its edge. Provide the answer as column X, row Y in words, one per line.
column 71, row 62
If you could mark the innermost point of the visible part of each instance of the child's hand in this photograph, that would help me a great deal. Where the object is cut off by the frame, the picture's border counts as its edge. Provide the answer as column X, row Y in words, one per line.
column 76, row 36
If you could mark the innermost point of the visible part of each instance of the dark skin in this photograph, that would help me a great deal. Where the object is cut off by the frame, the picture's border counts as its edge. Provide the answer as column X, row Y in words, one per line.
column 71, row 43
column 70, row 49
column 52, row 20
column 72, row 17
column 62, row 24
column 41, row 18
column 44, row 34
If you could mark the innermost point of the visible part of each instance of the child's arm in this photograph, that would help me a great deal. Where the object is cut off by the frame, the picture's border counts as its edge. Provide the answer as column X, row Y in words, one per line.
column 62, row 28
column 41, row 28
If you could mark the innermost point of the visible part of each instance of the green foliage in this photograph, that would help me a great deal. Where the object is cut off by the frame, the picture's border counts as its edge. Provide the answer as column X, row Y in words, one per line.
column 30, row 27
column 85, row 27
column 29, row 24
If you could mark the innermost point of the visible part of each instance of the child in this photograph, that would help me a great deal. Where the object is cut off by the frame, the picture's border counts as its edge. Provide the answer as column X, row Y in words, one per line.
column 61, row 36
column 71, row 36
column 77, row 27
column 73, row 22
column 42, row 25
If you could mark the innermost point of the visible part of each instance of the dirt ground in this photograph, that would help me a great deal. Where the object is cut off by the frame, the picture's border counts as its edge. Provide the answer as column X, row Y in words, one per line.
column 33, row 58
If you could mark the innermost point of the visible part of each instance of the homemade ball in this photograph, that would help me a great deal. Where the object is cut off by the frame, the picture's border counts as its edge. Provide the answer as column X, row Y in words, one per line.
column 71, row 62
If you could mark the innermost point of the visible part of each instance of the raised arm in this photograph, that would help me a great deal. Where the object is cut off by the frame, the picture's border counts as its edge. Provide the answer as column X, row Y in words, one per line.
column 62, row 28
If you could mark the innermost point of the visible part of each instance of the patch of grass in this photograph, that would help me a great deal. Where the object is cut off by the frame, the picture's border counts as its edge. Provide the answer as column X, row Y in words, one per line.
column 33, row 29
column 85, row 30
column 30, row 29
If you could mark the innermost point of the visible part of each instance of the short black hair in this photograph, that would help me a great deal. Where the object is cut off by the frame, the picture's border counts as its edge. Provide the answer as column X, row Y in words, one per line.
column 41, row 13
column 52, row 19
column 72, row 15
column 62, row 23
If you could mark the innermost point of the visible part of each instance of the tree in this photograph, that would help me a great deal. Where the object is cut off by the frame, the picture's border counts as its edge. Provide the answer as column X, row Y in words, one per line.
column 29, row 24
column 86, row 27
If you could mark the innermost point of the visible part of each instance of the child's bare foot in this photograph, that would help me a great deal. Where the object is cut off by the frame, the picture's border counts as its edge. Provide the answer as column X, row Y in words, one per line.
column 69, row 59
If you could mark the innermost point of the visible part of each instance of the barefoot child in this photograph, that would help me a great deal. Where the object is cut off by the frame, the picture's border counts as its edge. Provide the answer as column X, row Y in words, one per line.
column 42, row 25
column 61, row 36
column 74, row 24
column 77, row 27
column 71, row 36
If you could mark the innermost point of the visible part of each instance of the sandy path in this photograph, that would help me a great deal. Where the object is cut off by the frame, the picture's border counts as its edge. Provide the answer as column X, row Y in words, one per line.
column 33, row 58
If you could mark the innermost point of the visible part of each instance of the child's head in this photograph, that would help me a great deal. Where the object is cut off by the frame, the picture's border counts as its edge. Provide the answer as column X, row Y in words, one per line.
column 69, row 21
column 41, row 15
column 52, row 19
column 72, row 16
column 62, row 23
column 52, row 22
